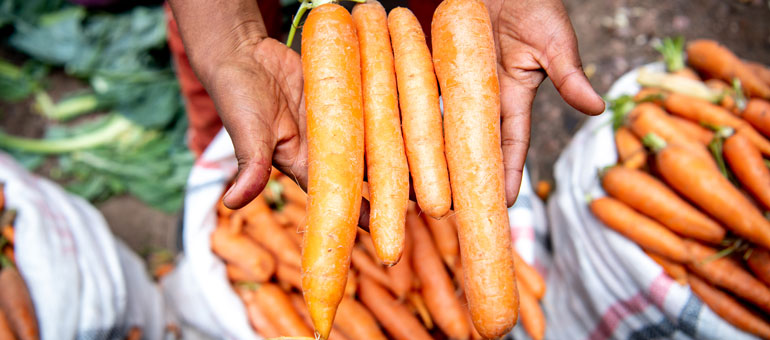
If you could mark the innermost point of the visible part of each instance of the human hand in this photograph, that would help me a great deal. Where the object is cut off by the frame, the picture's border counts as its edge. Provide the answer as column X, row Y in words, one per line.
column 534, row 38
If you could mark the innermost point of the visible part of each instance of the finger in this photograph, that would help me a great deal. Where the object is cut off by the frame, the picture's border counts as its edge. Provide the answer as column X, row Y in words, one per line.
column 516, row 106
column 563, row 66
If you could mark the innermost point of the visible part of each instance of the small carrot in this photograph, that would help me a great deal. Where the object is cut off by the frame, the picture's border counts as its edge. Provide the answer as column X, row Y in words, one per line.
column 288, row 275
column 282, row 314
column 435, row 284
column 257, row 317
column 728, row 274
column 705, row 186
column 710, row 57
column 241, row 251
column 729, row 309
column 466, row 66
column 6, row 333
column 356, row 322
column 652, row 95
column 335, row 137
column 16, row 303
column 759, row 263
column 421, row 116
column 367, row 266
column 387, row 169
column 527, row 275
column 757, row 113
column 292, row 192
column 692, row 130
column 444, row 233
column 236, row 274
column 401, row 274
column 299, row 305
column 543, row 189
column 264, row 229
column 647, row 233
column 728, row 101
column 654, row 199
column 761, row 70
column 631, row 152
column 674, row 270
column 532, row 317
column 747, row 164
column 392, row 315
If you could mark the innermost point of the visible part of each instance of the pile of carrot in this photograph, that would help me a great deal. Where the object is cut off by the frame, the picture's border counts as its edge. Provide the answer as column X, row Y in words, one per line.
column 371, row 89
column 421, row 297
column 17, row 313
column 692, row 182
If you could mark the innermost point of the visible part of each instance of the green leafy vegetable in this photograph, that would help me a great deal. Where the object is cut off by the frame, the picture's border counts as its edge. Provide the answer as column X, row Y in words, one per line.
column 17, row 83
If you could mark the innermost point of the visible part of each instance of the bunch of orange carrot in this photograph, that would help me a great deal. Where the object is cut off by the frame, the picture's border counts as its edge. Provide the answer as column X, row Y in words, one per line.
column 17, row 313
column 692, row 183
column 421, row 297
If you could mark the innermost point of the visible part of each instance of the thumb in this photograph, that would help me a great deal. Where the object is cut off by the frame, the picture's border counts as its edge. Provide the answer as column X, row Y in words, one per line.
column 254, row 146
column 564, row 68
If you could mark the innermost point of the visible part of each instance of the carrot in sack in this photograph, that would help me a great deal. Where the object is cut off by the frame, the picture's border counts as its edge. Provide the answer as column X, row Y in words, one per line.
column 356, row 322
column 387, row 169
column 135, row 333
column 16, row 303
column 335, row 135
column 435, row 284
column 392, row 315
column 757, row 113
column 532, row 317
column 528, row 276
column 257, row 317
column 444, row 233
column 288, row 275
column 263, row 228
column 236, row 274
column 299, row 306
column 729, row 309
column 400, row 275
column 292, row 193
column 631, row 152
column 9, row 253
column 715, row 60
column 8, row 233
column 761, row 70
column 747, row 164
column 6, row 333
column 654, row 199
column 728, row 274
column 421, row 116
column 704, row 185
column 692, row 130
column 367, row 266
column 730, row 99
column 417, row 304
column 652, row 95
column 674, row 270
column 241, row 251
column 759, row 263
column 465, row 61
column 281, row 312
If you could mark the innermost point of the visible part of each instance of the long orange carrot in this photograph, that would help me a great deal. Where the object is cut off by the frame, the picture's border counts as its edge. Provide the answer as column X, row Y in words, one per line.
column 699, row 110
column 367, row 266
column 257, row 317
column 651, row 197
column 282, row 314
column 6, row 333
column 631, row 152
column 759, row 263
column 710, row 57
column 729, row 309
column 244, row 253
column 705, row 186
column 648, row 118
column 528, row 276
column 299, row 305
column 757, row 113
column 393, row 316
column 692, row 130
column 465, row 61
column 532, row 317
column 421, row 117
column 435, row 284
column 647, row 233
column 401, row 276
column 728, row 274
column 335, row 134
column 387, row 170
column 356, row 322
column 16, row 303
column 674, row 270
column 263, row 228
column 444, row 233
column 747, row 164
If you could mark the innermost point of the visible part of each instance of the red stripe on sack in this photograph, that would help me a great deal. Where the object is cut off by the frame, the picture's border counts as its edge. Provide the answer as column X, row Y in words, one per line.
column 522, row 232
column 659, row 288
column 616, row 313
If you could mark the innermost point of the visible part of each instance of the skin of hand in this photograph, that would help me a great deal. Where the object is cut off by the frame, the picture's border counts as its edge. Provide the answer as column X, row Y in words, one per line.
column 256, row 83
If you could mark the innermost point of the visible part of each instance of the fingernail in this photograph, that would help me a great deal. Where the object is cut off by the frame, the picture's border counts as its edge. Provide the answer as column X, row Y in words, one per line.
column 230, row 189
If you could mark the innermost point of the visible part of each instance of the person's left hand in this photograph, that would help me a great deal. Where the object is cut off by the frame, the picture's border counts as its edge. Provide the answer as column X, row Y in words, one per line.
column 534, row 38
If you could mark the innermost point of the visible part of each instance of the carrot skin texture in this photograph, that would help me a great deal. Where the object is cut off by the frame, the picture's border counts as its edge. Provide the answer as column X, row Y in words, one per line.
column 257, row 317
column 631, row 152
column 759, row 263
column 747, row 164
column 465, row 60
column 729, row 309
column 532, row 317
column 299, row 305
column 282, row 314
column 387, row 169
column 654, row 199
column 528, row 276
column 420, row 112
column 757, row 113
column 335, row 134
column 392, row 315
column 241, row 251
column 710, row 57
column 356, row 322
column 705, row 186
column 674, row 270
column 645, row 232
column 17, row 305
column 436, row 285
column 728, row 274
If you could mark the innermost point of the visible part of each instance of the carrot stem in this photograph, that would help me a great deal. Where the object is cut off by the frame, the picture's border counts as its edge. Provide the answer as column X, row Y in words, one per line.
column 654, row 142
column 303, row 7
column 716, row 146
column 672, row 50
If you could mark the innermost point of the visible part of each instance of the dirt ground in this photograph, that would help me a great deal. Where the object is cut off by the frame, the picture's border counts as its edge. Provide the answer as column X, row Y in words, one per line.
column 615, row 36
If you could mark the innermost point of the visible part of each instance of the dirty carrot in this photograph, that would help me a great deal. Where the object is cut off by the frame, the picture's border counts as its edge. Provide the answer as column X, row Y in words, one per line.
column 631, row 152
column 645, row 232
column 16, row 303
column 674, row 270
column 401, row 274
column 648, row 118
column 421, row 116
column 654, row 199
column 335, row 135
column 393, row 316
column 435, row 284
column 729, row 308
column 757, row 113
column 728, row 274
column 747, row 164
column 444, row 233
column 715, row 60
column 282, row 314
column 387, row 169
column 356, row 322
column 692, row 130
column 527, row 275
column 264, row 229
column 241, row 251
column 759, row 263
column 704, row 185
column 367, row 266
column 465, row 61
column 532, row 317
column 257, row 317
